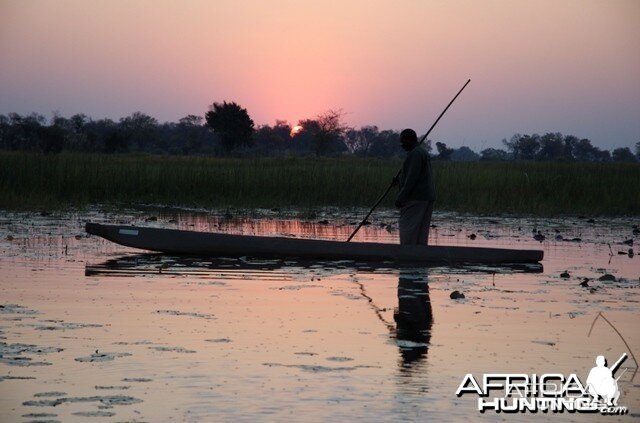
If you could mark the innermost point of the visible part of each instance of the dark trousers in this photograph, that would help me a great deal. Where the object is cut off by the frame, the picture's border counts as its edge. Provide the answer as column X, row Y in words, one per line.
column 415, row 219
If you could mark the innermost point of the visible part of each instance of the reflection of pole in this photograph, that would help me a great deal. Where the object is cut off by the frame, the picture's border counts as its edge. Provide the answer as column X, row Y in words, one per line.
column 374, row 306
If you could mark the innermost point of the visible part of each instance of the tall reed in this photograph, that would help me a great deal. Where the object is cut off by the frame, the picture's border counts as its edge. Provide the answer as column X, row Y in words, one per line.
column 37, row 181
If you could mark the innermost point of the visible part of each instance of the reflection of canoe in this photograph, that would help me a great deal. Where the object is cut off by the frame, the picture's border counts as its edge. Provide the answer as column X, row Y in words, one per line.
column 240, row 267
column 216, row 244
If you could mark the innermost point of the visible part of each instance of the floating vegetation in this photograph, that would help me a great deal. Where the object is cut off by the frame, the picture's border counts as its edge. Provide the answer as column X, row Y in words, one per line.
column 97, row 413
column 607, row 277
column 16, row 309
column 186, row 313
column 66, row 326
column 339, row 359
column 50, row 394
column 173, row 349
column 13, row 349
column 219, row 340
column 143, row 342
column 549, row 343
column 22, row 361
column 111, row 387
column 102, row 356
column 105, row 400
column 13, row 354
column 9, row 377
column 295, row 287
column 39, row 415
column 316, row 368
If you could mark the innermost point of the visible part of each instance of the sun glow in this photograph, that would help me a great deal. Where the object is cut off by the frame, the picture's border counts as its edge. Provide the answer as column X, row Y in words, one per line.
column 295, row 130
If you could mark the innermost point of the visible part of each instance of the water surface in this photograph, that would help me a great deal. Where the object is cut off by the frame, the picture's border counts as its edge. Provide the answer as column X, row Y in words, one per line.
column 93, row 331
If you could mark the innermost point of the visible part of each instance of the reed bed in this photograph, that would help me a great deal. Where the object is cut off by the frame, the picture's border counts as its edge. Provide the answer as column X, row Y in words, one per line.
column 35, row 181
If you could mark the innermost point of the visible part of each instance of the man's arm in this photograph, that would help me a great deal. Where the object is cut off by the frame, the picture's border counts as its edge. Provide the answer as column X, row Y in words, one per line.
column 414, row 166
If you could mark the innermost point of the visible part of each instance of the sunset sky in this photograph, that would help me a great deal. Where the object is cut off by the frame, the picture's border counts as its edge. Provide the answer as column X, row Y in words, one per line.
column 536, row 66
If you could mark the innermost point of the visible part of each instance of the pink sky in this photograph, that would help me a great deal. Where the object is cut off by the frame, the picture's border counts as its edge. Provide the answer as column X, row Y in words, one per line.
column 536, row 66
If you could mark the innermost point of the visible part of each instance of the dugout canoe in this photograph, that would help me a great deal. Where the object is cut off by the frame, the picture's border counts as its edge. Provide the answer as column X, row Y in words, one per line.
column 172, row 241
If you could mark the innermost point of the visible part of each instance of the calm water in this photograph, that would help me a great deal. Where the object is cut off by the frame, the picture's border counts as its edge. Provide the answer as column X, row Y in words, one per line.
column 92, row 331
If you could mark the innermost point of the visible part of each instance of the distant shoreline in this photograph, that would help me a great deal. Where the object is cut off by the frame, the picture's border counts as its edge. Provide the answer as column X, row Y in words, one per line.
column 31, row 181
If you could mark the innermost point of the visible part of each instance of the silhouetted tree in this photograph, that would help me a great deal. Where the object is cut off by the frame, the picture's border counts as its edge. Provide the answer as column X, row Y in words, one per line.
column 623, row 155
column 523, row 147
column 570, row 142
column 5, row 130
column 583, row 151
column 191, row 136
column 24, row 132
column 272, row 140
column 51, row 138
column 359, row 141
column 232, row 124
column 139, row 130
column 190, row 121
column 444, row 152
column 603, row 156
column 115, row 142
column 97, row 132
column 386, row 144
column 552, row 147
column 464, row 154
column 494, row 154
column 75, row 136
column 78, row 121
column 324, row 133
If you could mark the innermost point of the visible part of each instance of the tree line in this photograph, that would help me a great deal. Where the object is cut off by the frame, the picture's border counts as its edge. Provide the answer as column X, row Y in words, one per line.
column 228, row 130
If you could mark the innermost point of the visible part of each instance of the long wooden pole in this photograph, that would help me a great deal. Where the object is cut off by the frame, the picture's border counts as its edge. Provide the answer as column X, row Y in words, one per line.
column 424, row 137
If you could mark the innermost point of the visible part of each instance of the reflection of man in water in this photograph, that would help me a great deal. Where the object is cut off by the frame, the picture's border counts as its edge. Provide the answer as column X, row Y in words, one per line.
column 600, row 382
column 414, row 316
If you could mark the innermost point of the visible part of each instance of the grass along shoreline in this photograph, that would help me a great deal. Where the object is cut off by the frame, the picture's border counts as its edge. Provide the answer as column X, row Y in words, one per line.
column 35, row 181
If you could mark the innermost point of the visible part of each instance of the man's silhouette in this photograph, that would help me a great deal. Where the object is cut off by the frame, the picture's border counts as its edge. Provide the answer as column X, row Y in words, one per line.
column 416, row 192
column 600, row 382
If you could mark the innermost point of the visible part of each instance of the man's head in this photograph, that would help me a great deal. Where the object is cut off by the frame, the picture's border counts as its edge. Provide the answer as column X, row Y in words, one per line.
column 600, row 360
column 408, row 139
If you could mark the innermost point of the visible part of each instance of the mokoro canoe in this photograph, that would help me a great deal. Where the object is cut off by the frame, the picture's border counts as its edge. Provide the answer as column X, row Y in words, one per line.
column 180, row 242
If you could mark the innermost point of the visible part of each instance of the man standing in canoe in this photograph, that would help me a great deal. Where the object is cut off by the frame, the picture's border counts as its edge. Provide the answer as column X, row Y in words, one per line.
column 416, row 193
